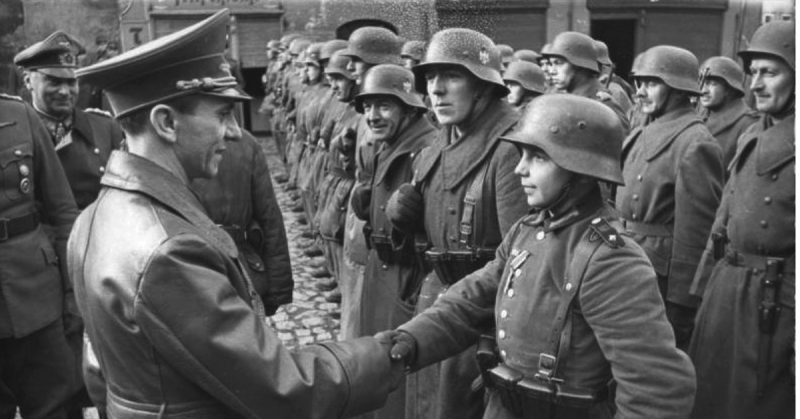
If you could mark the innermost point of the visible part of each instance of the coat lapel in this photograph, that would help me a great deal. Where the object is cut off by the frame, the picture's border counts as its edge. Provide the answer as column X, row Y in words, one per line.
column 660, row 133
column 720, row 121
column 415, row 137
column 775, row 146
column 82, row 126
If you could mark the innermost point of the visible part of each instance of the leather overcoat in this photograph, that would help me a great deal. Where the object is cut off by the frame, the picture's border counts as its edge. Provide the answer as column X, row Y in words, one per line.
column 176, row 326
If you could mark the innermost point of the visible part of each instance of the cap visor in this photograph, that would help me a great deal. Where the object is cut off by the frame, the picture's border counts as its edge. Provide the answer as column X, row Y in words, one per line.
column 230, row 93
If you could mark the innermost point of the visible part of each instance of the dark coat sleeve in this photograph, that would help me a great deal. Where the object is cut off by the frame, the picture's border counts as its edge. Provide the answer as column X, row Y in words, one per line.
column 217, row 341
column 275, row 249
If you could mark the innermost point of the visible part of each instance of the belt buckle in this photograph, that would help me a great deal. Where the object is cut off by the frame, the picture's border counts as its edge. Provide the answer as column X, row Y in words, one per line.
column 547, row 366
column 4, row 229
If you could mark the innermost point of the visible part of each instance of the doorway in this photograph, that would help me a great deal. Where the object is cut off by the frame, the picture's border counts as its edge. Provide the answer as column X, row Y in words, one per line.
column 620, row 36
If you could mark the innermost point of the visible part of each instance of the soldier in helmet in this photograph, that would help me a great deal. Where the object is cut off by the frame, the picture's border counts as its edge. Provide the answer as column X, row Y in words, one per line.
column 743, row 347
column 526, row 55
column 506, row 54
column 673, row 179
column 412, row 53
column 544, row 62
column 395, row 114
column 525, row 81
column 573, row 68
column 722, row 101
column 463, row 197
column 545, row 357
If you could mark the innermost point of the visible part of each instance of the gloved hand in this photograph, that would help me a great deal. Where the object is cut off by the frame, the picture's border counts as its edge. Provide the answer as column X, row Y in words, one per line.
column 682, row 320
column 360, row 200
column 404, row 346
column 405, row 209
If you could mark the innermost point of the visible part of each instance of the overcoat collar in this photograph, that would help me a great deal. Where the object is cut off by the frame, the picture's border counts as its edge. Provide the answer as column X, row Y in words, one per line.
column 133, row 173
column 414, row 137
column 660, row 133
column 774, row 144
column 727, row 117
column 459, row 159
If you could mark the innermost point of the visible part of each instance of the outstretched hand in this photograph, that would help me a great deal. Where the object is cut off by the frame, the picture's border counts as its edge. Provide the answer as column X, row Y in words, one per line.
column 403, row 345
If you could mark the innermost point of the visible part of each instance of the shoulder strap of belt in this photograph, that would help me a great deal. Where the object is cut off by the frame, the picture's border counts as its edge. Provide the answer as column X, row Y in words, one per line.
column 471, row 199
column 560, row 333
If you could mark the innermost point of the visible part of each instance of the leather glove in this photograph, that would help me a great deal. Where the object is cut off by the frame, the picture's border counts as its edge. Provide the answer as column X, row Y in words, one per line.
column 682, row 320
column 404, row 346
column 360, row 200
column 405, row 209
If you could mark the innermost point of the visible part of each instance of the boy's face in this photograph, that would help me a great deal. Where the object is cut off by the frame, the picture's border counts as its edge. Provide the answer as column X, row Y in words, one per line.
column 542, row 179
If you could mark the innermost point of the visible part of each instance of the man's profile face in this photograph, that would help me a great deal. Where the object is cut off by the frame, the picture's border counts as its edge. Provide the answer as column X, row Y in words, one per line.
column 202, row 133
column 561, row 73
column 53, row 95
column 772, row 84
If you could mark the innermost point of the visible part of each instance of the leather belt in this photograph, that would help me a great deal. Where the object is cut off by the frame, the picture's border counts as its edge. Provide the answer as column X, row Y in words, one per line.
column 12, row 227
column 748, row 260
column 647, row 229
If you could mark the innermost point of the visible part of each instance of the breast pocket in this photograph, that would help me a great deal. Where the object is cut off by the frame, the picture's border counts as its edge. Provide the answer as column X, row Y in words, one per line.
column 16, row 167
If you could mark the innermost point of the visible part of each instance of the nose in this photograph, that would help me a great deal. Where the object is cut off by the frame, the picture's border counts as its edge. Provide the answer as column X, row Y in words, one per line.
column 756, row 82
column 63, row 88
column 521, row 169
column 640, row 91
column 371, row 113
column 351, row 66
column 233, row 132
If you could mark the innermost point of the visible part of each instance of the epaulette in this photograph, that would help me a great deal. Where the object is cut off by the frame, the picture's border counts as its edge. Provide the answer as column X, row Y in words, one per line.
column 604, row 96
column 602, row 230
column 10, row 97
column 97, row 111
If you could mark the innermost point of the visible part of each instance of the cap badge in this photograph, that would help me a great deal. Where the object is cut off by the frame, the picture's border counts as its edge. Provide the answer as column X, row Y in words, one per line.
column 483, row 56
column 407, row 86
column 66, row 59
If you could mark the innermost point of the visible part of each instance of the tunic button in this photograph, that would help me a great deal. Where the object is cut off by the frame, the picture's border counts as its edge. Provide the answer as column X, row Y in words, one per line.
column 569, row 286
column 639, row 178
column 510, row 293
column 633, row 217
column 503, row 354
column 17, row 153
column 540, row 235
column 774, row 176
column 635, row 197
column 96, row 150
column 763, row 223
column 102, row 169
column 767, row 200
column 501, row 334
column 24, row 170
column 517, row 272
column 384, row 267
column 504, row 314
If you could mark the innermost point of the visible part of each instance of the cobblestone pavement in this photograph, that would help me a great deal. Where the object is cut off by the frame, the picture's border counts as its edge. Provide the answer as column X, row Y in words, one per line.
column 308, row 318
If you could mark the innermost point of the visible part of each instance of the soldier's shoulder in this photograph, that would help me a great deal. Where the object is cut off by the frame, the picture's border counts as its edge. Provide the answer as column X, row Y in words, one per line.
column 100, row 112
column 607, row 231
column 604, row 96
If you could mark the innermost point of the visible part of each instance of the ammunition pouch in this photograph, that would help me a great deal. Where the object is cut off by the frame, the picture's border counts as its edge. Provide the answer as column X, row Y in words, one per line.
column 382, row 245
column 452, row 265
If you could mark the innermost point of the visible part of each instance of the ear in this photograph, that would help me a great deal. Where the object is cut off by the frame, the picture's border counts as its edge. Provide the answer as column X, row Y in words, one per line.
column 162, row 118
column 26, row 78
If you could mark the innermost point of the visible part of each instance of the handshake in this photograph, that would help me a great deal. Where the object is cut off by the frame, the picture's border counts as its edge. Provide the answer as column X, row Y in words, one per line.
column 402, row 346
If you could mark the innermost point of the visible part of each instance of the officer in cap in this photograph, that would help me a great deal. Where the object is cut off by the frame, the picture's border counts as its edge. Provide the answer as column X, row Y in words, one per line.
column 673, row 179
column 543, row 357
column 395, row 114
column 162, row 288
column 463, row 198
column 723, row 108
column 744, row 345
column 573, row 68
column 525, row 80
column 37, row 368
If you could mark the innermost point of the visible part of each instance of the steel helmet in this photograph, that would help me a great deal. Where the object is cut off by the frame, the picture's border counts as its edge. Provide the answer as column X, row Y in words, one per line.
column 725, row 69
column 527, row 74
column 676, row 67
column 527, row 55
column 298, row 45
column 413, row 49
column 470, row 49
column 392, row 80
column 775, row 38
column 374, row 45
column 575, row 47
column 506, row 53
column 330, row 47
column 312, row 54
column 601, row 49
column 579, row 134
column 274, row 44
column 286, row 40
column 338, row 65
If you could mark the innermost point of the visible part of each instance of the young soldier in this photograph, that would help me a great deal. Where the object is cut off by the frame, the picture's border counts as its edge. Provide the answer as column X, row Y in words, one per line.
column 744, row 345
column 572, row 303
column 525, row 81
column 173, row 318
column 673, row 179
column 463, row 198
column 722, row 100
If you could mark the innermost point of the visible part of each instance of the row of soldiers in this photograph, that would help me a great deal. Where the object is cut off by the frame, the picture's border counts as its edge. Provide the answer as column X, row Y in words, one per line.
column 394, row 150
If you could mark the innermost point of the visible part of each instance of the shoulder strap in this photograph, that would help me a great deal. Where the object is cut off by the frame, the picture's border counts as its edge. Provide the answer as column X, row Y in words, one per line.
column 473, row 196
column 600, row 232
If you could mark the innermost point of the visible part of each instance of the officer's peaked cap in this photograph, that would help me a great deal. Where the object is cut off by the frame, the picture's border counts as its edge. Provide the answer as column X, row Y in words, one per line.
column 54, row 56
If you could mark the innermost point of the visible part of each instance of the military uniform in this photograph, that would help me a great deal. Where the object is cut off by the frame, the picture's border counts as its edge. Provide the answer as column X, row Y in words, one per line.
column 33, row 290
column 242, row 201
column 728, row 124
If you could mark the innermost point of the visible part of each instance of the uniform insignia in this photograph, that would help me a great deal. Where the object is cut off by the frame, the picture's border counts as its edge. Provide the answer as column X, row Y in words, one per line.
column 604, row 96
column 11, row 97
column 97, row 111
column 25, row 185
column 407, row 86
column 66, row 59
column 483, row 56
column 602, row 230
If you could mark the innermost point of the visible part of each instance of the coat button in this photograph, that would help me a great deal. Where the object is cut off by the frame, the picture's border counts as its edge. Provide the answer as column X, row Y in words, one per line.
column 503, row 354
column 569, row 286
column 384, row 267
column 633, row 217
column 17, row 153
column 510, row 293
column 763, row 223
column 767, row 200
column 503, row 314
column 774, row 176
column 635, row 197
column 96, row 150
column 540, row 235
column 501, row 334
column 639, row 178
column 102, row 169
column 24, row 170
column 382, row 207
column 452, row 238
column 451, row 210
